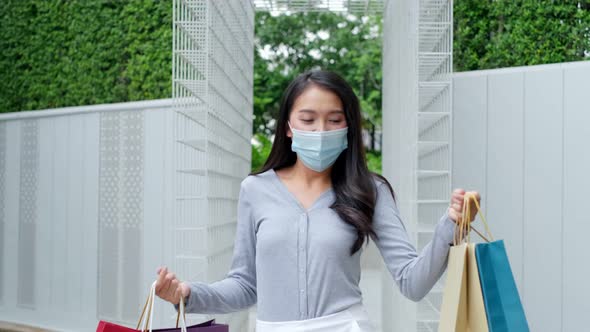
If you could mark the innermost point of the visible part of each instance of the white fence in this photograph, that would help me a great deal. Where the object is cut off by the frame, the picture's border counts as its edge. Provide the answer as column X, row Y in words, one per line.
column 94, row 199
column 213, row 77
column 89, row 209
column 521, row 139
column 417, row 91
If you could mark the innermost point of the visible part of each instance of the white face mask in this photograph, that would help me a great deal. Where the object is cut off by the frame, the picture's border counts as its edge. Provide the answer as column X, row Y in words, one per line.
column 319, row 150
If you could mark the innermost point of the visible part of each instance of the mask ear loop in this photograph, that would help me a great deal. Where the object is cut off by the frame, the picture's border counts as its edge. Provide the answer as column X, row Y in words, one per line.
column 296, row 131
column 326, row 132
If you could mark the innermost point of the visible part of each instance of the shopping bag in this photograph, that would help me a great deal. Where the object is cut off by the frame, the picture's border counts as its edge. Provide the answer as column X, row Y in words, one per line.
column 145, row 320
column 453, row 310
column 208, row 326
column 502, row 301
column 476, row 314
column 462, row 306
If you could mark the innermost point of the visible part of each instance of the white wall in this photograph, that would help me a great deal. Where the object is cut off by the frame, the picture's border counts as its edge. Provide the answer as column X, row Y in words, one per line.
column 94, row 199
column 212, row 89
column 399, row 102
column 521, row 138
column 52, row 197
column 417, row 86
column 89, row 208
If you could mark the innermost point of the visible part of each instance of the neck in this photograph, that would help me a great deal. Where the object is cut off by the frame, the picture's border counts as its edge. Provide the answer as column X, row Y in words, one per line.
column 310, row 177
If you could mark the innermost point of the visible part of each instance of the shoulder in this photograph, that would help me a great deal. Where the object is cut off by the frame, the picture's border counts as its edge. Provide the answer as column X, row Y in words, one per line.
column 256, row 182
column 379, row 181
column 383, row 189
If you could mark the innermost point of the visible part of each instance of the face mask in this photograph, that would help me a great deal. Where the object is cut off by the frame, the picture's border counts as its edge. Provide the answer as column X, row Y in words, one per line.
column 318, row 150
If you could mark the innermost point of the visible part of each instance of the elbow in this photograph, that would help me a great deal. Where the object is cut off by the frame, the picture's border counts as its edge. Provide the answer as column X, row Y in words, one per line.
column 415, row 298
column 411, row 293
column 248, row 295
column 251, row 298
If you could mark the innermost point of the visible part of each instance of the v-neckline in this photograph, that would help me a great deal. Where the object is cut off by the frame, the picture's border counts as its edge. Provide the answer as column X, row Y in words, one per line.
column 283, row 187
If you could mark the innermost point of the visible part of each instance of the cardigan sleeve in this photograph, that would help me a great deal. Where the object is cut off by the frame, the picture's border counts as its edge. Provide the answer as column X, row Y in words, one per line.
column 237, row 290
column 414, row 273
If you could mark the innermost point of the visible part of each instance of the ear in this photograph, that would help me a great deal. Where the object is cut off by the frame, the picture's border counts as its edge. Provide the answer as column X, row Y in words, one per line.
column 288, row 130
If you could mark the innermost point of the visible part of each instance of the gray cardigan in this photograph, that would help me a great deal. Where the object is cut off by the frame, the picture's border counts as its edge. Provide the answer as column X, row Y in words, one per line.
column 295, row 264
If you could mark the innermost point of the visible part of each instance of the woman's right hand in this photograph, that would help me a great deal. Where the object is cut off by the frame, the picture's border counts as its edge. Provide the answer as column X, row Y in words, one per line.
column 169, row 288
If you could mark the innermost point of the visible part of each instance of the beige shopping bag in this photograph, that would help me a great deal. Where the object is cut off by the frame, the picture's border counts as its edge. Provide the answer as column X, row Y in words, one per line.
column 476, row 311
column 462, row 308
column 453, row 311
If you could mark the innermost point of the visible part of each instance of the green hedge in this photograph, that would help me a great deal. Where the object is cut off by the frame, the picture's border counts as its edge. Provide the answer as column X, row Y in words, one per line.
column 507, row 33
column 79, row 52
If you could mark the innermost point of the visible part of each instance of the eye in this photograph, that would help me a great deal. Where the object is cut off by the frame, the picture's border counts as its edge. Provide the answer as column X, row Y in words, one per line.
column 306, row 120
column 335, row 121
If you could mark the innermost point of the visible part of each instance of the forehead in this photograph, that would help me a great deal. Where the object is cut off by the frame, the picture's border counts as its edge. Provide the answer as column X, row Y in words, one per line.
column 317, row 99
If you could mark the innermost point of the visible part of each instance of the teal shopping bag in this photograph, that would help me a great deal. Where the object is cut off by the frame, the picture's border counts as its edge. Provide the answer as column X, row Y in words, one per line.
column 502, row 302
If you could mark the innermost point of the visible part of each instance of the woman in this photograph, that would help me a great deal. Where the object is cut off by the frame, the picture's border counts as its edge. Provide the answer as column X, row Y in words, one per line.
column 304, row 217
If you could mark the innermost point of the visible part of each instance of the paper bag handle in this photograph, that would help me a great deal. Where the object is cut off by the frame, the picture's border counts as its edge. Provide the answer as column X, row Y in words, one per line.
column 148, row 312
column 465, row 223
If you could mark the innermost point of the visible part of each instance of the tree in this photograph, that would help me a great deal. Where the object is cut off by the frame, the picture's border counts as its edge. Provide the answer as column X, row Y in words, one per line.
column 289, row 44
column 503, row 33
column 69, row 53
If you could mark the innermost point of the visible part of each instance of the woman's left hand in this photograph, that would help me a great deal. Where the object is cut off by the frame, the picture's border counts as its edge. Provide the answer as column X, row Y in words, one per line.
column 456, row 205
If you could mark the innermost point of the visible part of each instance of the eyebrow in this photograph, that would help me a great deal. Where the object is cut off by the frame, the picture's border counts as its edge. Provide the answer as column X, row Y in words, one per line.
column 312, row 111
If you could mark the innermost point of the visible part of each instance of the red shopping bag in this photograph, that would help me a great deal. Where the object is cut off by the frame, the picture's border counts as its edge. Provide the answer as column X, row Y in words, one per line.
column 147, row 313
column 209, row 326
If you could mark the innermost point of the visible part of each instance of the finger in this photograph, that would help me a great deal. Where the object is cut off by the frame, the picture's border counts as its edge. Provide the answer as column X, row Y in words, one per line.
column 456, row 212
column 170, row 295
column 185, row 289
column 458, row 196
column 452, row 210
column 468, row 198
column 169, row 277
column 164, row 289
column 182, row 291
column 459, row 191
column 160, row 281
column 178, row 292
column 474, row 205
column 458, row 207
column 473, row 194
column 454, row 216
column 460, row 199
column 477, row 195
column 165, row 285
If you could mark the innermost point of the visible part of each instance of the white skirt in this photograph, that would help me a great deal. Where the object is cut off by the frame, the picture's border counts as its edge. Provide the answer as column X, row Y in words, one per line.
column 353, row 319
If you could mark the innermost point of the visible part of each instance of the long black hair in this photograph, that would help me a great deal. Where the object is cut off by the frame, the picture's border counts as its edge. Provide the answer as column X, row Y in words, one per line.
column 352, row 181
